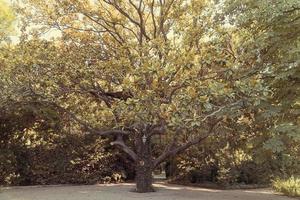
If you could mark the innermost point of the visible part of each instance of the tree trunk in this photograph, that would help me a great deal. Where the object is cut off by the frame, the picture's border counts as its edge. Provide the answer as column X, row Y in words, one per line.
column 144, row 165
column 144, row 177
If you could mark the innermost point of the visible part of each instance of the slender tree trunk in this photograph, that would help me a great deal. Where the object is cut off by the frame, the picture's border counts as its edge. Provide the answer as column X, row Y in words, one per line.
column 144, row 166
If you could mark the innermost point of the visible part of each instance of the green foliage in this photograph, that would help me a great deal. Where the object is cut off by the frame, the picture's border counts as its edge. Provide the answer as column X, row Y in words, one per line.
column 289, row 187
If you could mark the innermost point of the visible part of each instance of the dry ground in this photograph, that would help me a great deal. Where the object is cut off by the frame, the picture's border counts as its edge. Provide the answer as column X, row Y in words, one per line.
column 123, row 192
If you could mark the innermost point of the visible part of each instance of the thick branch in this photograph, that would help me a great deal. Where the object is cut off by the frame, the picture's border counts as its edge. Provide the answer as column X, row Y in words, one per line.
column 107, row 97
column 157, row 129
column 120, row 144
column 168, row 99
column 171, row 150
column 153, row 18
column 237, row 103
column 83, row 123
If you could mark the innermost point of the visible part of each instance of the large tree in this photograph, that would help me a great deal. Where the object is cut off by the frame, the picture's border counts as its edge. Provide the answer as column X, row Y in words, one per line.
column 137, row 70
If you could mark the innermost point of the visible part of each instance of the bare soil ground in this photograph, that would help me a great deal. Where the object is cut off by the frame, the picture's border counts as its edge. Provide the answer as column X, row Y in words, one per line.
column 123, row 192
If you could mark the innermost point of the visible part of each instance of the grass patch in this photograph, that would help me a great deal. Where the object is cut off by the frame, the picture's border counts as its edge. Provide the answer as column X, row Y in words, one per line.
column 289, row 187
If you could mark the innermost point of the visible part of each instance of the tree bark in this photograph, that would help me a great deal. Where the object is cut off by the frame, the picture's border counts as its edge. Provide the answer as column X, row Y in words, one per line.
column 144, row 177
column 144, row 165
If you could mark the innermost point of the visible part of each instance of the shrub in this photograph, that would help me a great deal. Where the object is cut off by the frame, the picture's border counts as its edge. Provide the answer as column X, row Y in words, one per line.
column 289, row 187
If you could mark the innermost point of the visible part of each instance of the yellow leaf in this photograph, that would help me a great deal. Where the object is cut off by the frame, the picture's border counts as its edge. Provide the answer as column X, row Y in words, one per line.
column 192, row 92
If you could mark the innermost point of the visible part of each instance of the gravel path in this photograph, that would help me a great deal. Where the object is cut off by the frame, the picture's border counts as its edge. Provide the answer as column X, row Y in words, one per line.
column 122, row 192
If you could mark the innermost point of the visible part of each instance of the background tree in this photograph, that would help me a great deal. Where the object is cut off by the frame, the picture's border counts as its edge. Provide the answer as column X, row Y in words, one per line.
column 265, row 38
column 275, row 37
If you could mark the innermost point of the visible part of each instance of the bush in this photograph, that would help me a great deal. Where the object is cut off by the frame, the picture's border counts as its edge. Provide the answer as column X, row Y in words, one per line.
column 69, row 160
column 289, row 187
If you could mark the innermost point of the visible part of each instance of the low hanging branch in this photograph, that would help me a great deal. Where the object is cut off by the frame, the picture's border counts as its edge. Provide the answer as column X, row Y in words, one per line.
column 119, row 142
column 172, row 150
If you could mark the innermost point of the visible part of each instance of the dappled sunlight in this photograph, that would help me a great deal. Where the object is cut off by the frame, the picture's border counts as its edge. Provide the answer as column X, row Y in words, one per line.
column 83, row 192
column 178, row 187
column 116, row 184
column 260, row 191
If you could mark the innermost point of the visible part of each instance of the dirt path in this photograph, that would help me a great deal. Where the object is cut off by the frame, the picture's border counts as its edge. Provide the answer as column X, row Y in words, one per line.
column 122, row 192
